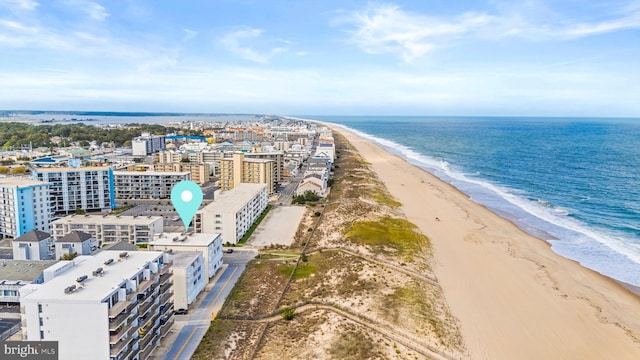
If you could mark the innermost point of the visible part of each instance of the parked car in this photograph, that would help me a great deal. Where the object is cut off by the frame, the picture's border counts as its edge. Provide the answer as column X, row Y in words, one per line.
column 229, row 251
column 181, row 312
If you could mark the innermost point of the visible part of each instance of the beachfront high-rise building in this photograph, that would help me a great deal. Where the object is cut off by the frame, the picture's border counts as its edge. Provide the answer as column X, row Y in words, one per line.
column 112, row 305
column 110, row 229
column 86, row 188
column 238, row 170
column 233, row 212
column 141, row 185
column 25, row 205
column 148, row 144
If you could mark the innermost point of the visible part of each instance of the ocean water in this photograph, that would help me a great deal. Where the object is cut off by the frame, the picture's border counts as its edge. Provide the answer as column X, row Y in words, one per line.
column 574, row 182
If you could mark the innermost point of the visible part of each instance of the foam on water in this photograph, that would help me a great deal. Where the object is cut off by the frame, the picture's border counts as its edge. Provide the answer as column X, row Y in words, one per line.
column 603, row 250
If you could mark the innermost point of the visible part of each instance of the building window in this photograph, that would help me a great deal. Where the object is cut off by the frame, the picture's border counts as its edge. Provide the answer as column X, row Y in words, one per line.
column 39, row 308
column 41, row 335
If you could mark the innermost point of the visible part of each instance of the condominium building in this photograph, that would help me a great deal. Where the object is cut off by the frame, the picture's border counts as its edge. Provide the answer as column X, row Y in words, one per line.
column 141, row 185
column 278, row 162
column 188, row 277
column 200, row 173
column 147, row 144
column 238, row 169
column 109, row 228
column 233, row 212
column 210, row 245
column 25, row 205
column 87, row 188
column 112, row 305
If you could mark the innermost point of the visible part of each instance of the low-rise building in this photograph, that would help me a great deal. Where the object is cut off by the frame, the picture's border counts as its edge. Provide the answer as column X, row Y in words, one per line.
column 110, row 228
column 210, row 245
column 233, row 212
column 34, row 245
column 75, row 242
column 200, row 173
column 15, row 274
column 112, row 305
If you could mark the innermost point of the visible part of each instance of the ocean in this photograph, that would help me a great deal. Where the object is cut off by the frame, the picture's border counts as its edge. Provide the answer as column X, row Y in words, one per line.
column 574, row 182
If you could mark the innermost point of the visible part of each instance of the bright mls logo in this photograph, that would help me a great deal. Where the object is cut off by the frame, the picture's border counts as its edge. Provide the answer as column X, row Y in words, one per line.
column 29, row 350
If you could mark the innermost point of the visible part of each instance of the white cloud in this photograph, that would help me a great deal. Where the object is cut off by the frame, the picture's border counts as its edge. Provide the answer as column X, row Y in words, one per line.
column 189, row 34
column 19, row 4
column 92, row 9
column 387, row 29
column 235, row 42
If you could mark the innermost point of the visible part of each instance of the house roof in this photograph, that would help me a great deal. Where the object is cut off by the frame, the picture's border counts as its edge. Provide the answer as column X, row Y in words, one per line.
column 75, row 236
column 33, row 235
column 121, row 246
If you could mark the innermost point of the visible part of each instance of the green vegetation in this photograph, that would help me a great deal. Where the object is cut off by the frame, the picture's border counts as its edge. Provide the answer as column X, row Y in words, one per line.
column 303, row 271
column 384, row 198
column 398, row 234
column 69, row 256
column 354, row 345
column 14, row 134
column 80, row 211
column 142, row 246
column 253, row 227
column 288, row 313
column 308, row 196
column 121, row 209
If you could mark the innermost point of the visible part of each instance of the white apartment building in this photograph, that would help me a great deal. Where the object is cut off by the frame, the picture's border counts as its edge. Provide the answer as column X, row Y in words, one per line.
column 34, row 245
column 233, row 212
column 87, row 188
column 109, row 228
column 112, row 305
column 188, row 277
column 147, row 144
column 25, row 205
column 210, row 245
column 146, row 184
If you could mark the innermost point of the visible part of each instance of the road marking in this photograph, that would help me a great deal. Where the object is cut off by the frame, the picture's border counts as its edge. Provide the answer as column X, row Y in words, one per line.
column 185, row 343
column 196, row 328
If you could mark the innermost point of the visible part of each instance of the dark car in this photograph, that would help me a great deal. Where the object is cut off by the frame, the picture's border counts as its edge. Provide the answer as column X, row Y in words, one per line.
column 181, row 312
column 229, row 251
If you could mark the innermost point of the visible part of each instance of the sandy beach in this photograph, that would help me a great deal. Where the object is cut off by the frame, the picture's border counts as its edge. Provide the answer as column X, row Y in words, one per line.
column 514, row 297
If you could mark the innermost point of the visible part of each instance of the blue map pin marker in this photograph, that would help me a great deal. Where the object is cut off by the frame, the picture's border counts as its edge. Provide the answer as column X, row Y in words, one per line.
column 186, row 197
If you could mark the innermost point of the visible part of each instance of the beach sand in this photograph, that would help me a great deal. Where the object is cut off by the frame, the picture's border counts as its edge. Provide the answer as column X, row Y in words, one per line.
column 514, row 297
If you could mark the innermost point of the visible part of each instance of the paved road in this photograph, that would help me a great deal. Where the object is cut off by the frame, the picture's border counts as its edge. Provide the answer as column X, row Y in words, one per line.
column 196, row 324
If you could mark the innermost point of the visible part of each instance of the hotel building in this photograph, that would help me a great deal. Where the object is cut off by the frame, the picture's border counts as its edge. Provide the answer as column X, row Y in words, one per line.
column 88, row 188
column 112, row 305
column 141, row 185
column 25, row 205
column 233, row 212
column 110, row 229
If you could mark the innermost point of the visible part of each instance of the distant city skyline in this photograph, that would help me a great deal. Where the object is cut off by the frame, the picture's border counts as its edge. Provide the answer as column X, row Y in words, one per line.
column 533, row 58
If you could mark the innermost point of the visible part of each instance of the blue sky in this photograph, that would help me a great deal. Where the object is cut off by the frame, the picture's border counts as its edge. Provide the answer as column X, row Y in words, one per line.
column 429, row 57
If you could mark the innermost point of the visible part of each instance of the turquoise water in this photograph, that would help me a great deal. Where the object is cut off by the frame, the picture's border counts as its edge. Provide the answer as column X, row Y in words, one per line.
column 573, row 182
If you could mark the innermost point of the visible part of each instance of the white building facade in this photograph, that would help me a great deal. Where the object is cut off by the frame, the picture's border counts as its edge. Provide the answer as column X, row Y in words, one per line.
column 142, row 185
column 88, row 188
column 210, row 245
column 108, row 306
column 109, row 228
column 25, row 205
column 189, row 278
column 233, row 212
column 34, row 245
column 147, row 144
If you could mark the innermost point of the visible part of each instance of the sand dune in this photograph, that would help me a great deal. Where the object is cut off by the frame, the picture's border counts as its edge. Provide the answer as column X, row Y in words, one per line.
column 515, row 298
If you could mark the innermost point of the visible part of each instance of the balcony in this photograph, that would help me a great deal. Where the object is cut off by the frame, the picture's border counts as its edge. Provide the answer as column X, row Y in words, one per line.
column 117, row 348
column 144, row 307
column 114, row 323
column 166, row 286
column 164, row 328
column 118, row 307
column 114, row 338
column 165, row 267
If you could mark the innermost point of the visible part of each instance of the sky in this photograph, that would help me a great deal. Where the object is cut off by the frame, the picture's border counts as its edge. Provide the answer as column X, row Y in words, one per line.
column 324, row 57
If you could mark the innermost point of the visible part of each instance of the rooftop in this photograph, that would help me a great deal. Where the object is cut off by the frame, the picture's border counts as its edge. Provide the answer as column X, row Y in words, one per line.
column 152, row 173
column 94, row 288
column 18, row 182
column 23, row 270
column 234, row 199
column 75, row 236
column 65, row 169
column 184, row 258
column 181, row 239
column 33, row 235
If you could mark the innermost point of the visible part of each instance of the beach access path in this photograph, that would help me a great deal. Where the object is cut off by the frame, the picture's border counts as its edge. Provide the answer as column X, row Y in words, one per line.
column 514, row 297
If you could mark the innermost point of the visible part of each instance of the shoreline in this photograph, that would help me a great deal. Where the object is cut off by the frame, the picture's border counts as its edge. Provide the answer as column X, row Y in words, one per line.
column 524, row 294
